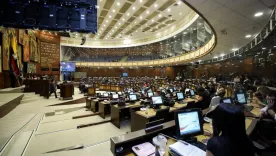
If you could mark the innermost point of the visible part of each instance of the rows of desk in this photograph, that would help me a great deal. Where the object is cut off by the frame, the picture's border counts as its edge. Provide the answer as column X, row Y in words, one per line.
column 121, row 145
column 139, row 118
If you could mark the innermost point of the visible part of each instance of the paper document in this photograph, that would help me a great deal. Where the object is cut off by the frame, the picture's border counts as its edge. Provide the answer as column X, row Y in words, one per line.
column 185, row 149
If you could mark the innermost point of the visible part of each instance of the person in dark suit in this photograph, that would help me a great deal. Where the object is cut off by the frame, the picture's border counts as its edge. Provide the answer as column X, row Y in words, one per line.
column 203, row 100
column 53, row 87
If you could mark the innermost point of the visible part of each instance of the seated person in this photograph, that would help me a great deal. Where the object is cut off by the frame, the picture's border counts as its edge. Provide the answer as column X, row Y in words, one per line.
column 216, row 99
column 203, row 100
column 270, row 110
column 261, row 94
column 226, row 140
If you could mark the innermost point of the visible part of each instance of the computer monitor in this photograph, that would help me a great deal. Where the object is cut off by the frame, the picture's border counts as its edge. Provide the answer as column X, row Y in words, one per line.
column 241, row 98
column 227, row 100
column 150, row 90
column 192, row 92
column 115, row 96
column 156, row 100
column 132, row 97
column 120, row 93
column 130, row 92
column 187, row 91
column 180, row 96
column 105, row 95
column 171, row 90
column 188, row 123
column 150, row 94
column 143, row 92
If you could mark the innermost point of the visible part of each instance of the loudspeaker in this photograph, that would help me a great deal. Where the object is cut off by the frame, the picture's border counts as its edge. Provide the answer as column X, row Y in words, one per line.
column 82, row 19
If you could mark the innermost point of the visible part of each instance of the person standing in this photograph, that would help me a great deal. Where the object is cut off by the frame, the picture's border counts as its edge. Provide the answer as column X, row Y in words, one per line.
column 53, row 88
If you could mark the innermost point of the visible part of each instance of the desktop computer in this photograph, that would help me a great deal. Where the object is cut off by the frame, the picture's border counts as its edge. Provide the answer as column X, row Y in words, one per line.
column 157, row 101
column 115, row 96
column 171, row 90
column 132, row 98
column 188, row 125
column 241, row 99
column 105, row 95
column 227, row 100
column 180, row 97
column 150, row 94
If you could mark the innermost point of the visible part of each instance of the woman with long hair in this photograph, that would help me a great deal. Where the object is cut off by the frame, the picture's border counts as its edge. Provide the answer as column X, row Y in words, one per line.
column 229, row 133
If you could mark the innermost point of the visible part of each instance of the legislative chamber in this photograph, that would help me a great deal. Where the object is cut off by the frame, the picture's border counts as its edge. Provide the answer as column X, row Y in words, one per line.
column 138, row 78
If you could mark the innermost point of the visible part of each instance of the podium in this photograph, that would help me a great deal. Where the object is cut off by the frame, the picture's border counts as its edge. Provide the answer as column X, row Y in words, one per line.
column 66, row 91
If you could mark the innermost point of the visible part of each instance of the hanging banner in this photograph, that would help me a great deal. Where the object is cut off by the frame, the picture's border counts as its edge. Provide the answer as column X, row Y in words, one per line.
column 26, row 48
column 6, row 49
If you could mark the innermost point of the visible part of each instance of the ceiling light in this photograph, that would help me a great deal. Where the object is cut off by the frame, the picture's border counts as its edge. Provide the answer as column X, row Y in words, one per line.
column 160, row 15
column 152, row 20
column 169, row 10
column 119, row 23
column 141, row 1
column 247, row 36
column 118, row 3
column 180, row 13
column 147, row 12
column 263, row 48
column 221, row 55
column 179, row 2
column 215, row 57
column 123, row 19
column 113, row 10
column 274, row 46
column 109, row 16
column 235, row 49
column 127, row 14
column 258, row 14
column 155, row 5
column 141, row 17
column 133, row 8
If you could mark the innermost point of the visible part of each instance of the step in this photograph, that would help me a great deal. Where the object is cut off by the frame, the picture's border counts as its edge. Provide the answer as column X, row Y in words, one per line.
column 23, row 101
column 18, row 144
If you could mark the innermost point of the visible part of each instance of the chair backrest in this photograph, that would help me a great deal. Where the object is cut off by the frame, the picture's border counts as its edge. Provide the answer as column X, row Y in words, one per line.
column 214, row 101
column 162, row 114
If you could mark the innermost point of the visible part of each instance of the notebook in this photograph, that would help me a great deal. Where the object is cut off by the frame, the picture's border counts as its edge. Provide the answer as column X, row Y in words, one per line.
column 145, row 149
column 183, row 148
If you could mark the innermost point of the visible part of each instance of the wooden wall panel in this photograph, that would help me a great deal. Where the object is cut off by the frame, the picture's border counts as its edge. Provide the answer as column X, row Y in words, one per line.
column 116, row 72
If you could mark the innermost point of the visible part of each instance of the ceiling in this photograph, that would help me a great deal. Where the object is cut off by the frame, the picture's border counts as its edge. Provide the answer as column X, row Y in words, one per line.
column 232, row 20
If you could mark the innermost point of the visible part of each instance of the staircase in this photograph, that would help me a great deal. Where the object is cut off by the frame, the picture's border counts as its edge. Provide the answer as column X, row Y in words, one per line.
column 30, row 97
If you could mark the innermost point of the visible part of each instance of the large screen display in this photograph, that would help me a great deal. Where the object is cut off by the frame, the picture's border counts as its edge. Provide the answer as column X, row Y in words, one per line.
column 68, row 66
column 125, row 74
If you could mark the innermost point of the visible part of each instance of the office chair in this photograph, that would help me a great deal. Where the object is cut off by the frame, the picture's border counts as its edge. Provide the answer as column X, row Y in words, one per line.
column 162, row 114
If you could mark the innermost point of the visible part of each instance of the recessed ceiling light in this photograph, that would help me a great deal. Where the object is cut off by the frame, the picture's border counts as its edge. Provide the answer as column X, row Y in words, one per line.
column 160, row 15
column 109, row 16
column 113, row 10
column 141, row 17
column 248, row 36
column 127, row 14
column 141, row 1
column 169, row 10
column 179, row 2
column 258, row 14
column 118, row 3
column 155, row 5
column 133, row 8
column 180, row 13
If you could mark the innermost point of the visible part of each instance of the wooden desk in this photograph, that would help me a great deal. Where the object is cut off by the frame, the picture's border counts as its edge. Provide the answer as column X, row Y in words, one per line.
column 131, row 139
column 139, row 119
column 116, row 112
column 104, row 108
column 66, row 91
